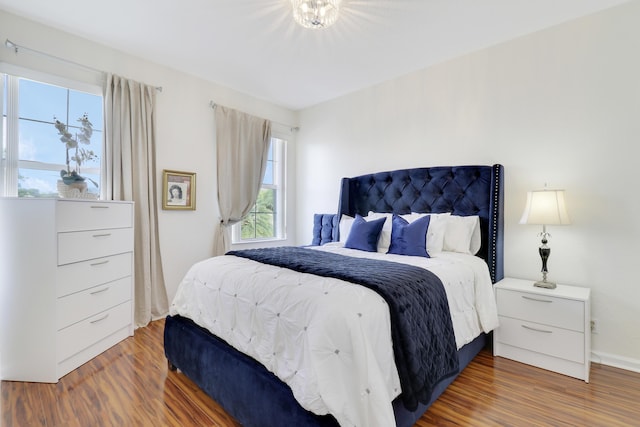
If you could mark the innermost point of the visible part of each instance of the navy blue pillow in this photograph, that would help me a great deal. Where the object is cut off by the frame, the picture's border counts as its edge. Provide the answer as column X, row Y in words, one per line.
column 364, row 234
column 409, row 239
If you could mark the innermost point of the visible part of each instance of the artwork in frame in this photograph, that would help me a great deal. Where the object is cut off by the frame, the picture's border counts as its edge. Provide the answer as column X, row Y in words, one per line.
column 178, row 190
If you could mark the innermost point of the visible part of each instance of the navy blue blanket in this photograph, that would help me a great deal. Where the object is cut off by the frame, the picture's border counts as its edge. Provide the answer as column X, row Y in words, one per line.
column 423, row 338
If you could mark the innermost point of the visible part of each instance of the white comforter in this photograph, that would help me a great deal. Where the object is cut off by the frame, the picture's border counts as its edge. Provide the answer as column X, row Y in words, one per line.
column 329, row 340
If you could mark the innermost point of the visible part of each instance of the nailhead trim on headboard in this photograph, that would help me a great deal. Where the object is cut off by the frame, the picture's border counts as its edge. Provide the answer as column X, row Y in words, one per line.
column 497, row 211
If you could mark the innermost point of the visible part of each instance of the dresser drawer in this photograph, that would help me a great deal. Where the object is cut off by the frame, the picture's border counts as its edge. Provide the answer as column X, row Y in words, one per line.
column 81, row 335
column 76, row 307
column 84, row 245
column 543, row 339
column 544, row 309
column 79, row 276
column 84, row 215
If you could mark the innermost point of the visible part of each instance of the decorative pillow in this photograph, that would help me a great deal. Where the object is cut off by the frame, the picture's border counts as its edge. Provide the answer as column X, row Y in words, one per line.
column 436, row 231
column 385, row 235
column 346, row 222
column 476, row 238
column 364, row 234
column 409, row 238
column 460, row 230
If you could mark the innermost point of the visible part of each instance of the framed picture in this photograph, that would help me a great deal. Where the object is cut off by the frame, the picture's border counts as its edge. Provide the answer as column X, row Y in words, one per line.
column 178, row 190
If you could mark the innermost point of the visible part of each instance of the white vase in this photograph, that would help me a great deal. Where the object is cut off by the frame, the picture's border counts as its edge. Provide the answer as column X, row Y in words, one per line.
column 75, row 190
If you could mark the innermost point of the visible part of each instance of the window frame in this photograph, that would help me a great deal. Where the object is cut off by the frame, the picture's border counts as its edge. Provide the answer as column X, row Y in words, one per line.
column 11, row 163
column 280, row 186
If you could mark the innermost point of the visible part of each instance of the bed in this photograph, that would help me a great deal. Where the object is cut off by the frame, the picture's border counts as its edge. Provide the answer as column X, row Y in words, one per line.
column 257, row 397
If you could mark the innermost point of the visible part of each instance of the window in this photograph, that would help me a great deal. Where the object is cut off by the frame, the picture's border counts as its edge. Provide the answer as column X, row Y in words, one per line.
column 32, row 153
column 266, row 219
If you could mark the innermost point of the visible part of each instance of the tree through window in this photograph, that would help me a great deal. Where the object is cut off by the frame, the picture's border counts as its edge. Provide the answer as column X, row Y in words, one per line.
column 265, row 221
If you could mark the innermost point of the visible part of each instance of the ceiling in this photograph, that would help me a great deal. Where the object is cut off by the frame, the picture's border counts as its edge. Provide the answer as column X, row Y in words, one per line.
column 253, row 46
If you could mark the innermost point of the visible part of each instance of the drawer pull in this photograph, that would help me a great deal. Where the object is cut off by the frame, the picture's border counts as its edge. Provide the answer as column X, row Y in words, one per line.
column 99, row 263
column 536, row 299
column 536, row 329
column 100, row 319
column 99, row 207
column 102, row 235
column 100, row 291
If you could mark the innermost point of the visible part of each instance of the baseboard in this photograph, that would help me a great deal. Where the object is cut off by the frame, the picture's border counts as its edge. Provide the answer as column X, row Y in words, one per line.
column 616, row 361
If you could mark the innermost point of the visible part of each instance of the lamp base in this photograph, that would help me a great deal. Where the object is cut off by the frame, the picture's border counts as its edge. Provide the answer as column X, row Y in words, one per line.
column 545, row 284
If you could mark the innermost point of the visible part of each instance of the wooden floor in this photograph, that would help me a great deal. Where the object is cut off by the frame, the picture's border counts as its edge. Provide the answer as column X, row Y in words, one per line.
column 129, row 385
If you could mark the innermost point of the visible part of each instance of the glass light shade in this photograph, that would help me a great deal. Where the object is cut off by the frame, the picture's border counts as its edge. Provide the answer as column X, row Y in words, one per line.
column 545, row 207
column 316, row 13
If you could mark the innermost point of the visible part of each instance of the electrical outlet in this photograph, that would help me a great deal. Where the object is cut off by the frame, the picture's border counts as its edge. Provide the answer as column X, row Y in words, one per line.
column 594, row 326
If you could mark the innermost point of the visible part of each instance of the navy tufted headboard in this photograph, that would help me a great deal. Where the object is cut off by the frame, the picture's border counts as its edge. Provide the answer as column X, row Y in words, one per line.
column 461, row 190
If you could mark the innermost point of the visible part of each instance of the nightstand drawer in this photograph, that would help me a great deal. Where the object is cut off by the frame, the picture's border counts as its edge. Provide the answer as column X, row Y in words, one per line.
column 84, row 245
column 542, row 339
column 79, row 276
column 76, row 307
column 84, row 215
column 559, row 312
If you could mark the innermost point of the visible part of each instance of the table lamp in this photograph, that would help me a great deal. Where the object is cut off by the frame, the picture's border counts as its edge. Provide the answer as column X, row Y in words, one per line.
column 545, row 207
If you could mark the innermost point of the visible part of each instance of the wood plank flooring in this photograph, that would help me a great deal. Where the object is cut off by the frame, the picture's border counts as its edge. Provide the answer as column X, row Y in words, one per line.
column 129, row 385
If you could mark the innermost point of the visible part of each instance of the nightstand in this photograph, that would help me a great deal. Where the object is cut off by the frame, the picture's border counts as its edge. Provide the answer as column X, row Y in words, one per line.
column 548, row 328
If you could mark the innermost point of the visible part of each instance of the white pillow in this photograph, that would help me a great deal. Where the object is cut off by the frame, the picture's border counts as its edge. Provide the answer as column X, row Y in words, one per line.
column 460, row 230
column 435, row 232
column 476, row 239
column 385, row 235
column 346, row 222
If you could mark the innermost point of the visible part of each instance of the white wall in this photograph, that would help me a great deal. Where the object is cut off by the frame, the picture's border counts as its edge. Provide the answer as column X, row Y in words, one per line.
column 185, row 128
column 561, row 106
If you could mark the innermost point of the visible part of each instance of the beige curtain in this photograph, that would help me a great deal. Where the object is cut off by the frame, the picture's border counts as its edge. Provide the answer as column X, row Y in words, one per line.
column 129, row 173
column 242, row 149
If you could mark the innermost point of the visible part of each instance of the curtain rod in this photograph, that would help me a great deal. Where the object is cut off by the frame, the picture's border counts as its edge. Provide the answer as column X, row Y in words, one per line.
column 16, row 48
column 293, row 128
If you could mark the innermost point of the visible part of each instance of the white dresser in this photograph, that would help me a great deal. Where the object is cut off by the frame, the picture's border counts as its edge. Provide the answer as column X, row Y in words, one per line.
column 66, row 289
column 548, row 328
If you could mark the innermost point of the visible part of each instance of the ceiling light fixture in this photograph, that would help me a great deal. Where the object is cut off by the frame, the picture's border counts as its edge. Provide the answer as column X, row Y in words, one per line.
column 316, row 13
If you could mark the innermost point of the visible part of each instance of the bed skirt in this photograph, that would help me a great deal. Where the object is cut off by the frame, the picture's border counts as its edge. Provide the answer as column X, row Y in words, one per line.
column 249, row 392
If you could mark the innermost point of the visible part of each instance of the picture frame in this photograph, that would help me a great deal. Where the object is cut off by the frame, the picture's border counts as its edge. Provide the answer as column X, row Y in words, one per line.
column 178, row 190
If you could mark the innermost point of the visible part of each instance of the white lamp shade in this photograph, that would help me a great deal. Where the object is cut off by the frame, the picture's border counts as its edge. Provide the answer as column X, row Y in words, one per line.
column 545, row 207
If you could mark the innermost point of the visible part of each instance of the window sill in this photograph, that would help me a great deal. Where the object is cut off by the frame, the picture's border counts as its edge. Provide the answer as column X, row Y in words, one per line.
column 252, row 242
